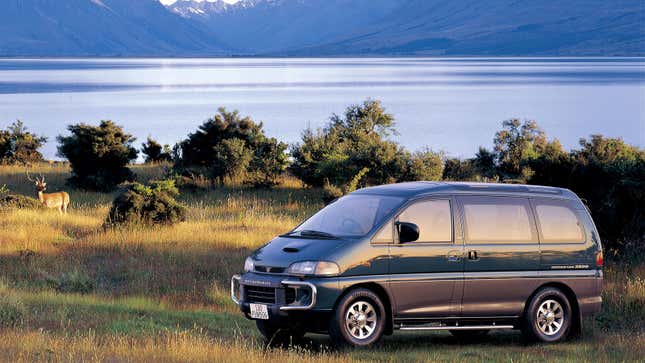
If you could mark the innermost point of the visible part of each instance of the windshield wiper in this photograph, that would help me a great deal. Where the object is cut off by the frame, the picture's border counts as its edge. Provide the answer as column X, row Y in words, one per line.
column 312, row 233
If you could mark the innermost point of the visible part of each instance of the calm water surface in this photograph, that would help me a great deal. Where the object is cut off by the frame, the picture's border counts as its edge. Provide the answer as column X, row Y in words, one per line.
column 453, row 105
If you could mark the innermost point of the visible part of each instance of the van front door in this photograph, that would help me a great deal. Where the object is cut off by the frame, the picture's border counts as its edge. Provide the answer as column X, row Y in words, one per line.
column 426, row 274
column 502, row 255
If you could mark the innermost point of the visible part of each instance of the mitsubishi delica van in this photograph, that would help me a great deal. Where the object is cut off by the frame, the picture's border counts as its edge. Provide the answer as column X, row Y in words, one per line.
column 464, row 257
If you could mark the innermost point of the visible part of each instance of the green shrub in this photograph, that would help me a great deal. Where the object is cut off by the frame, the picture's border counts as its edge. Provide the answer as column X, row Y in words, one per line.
column 98, row 155
column 19, row 202
column 19, row 146
column 269, row 162
column 234, row 148
column 348, row 144
column 231, row 159
column 425, row 165
column 147, row 205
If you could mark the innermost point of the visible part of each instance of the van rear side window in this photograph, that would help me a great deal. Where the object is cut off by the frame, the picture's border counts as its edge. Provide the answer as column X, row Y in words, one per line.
column 497, row 220
column 558, row 223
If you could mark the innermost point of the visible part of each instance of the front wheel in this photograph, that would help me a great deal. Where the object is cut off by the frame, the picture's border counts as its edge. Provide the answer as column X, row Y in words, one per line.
column 359, row 319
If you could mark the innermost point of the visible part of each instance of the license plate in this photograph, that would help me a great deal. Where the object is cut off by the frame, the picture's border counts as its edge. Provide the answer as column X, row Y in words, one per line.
column 259, row 311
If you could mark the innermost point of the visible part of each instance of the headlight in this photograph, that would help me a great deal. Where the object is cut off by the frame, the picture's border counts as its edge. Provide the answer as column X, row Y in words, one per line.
column 249, row 265
column 315, row 268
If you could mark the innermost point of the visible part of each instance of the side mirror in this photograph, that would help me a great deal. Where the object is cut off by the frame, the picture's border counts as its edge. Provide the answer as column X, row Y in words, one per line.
column 408, row 232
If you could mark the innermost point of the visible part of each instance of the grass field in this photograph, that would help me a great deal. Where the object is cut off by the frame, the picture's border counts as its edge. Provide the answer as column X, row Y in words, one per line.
column 71, row 291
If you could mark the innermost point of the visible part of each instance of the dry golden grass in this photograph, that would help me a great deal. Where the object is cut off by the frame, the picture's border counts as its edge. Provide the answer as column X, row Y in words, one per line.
column 161, row 294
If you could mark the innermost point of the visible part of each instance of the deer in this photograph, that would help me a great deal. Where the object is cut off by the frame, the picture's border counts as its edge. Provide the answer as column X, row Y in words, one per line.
column 58, row 200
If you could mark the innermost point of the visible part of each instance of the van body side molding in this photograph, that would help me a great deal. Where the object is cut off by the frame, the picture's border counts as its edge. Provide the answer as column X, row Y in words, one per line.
column 492, row 275
column 530, row 274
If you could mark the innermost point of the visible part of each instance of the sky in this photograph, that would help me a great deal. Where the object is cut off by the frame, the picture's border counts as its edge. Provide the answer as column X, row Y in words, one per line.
column 166, row 2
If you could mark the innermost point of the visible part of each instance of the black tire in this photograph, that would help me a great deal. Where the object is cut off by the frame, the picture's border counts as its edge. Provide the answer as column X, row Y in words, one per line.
column 469, row 335
column 367, row 312
column 277, row 336
column 547, row 327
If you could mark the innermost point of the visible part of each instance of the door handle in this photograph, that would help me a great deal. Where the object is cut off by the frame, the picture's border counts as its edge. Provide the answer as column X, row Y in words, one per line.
column 454, row 256
column 473, row 256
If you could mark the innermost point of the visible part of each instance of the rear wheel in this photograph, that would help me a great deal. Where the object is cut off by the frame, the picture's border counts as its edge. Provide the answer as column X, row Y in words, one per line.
column 548, row 317
column 359, row 320
column 468, row 335
column 275, row 335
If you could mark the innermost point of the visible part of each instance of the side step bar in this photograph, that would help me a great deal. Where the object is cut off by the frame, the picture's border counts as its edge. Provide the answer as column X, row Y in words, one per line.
column 455, row 327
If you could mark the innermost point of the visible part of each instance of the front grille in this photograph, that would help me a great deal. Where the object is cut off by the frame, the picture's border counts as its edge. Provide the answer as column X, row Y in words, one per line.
column 259, row 294
column 290, row 295
column 269, row 269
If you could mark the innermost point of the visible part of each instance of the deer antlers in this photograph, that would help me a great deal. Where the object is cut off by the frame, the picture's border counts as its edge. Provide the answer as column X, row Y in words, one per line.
column 42, row 178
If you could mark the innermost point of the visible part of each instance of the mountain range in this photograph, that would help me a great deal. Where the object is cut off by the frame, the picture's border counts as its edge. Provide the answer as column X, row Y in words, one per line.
column 322, row 28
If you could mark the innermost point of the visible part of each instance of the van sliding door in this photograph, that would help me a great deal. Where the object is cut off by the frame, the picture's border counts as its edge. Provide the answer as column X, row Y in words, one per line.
column 502, row 255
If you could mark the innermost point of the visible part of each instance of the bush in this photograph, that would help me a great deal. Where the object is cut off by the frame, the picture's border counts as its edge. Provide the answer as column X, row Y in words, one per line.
column 231, row 160
column 19, row 202
column 18, row 146
column 230, row 147
column 155, row 153
column 349, row 144
column 147, row 205
column 425, row 165
column 98, row 155
column 269, row 162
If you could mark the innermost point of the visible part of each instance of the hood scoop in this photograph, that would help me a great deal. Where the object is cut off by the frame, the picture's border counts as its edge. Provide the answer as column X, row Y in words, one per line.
column 294, row 247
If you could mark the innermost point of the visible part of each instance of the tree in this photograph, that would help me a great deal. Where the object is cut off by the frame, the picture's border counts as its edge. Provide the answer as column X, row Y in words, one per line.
column 485, row 164
column 456, row 169
column 516, row 142
column 98, row 155
column 155, row 153
column 231, row 159
column 229, row 145
column 425, row 165
column 19, row 146
column 351, row 144
column 269, row 163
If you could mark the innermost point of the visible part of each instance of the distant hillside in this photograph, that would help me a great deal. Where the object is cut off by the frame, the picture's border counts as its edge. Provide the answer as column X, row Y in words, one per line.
column 262, row 26
column 322, row 27
column 426, row 27
column 501, row 27
column 99, row 27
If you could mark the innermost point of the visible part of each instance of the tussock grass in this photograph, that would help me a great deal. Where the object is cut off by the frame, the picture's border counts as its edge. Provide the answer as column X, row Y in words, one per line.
column 74, row 291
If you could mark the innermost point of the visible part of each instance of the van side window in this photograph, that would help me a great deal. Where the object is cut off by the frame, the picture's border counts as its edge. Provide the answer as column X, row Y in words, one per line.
column 385, row 234
column 434, row 219
column 558, row 223
column 498, row 220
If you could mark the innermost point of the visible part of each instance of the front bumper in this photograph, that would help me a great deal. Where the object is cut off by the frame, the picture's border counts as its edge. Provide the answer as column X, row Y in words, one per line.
column 290, row 295
column 311, row 296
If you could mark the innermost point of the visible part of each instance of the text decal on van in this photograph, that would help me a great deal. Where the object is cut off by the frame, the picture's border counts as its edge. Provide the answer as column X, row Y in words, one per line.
column 569, row 267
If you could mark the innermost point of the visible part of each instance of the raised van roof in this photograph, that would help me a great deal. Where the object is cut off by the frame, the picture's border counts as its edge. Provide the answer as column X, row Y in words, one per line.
column 419, row 188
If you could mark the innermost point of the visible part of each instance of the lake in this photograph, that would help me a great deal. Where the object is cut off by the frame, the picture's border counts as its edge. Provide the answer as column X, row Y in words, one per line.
column 449, row 104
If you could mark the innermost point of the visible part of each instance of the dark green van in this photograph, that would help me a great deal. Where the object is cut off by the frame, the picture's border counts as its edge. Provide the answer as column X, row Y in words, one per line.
column 463, row 257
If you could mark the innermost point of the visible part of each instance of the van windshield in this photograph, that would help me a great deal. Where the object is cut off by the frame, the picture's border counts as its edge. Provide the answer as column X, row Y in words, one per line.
column 349, row 216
